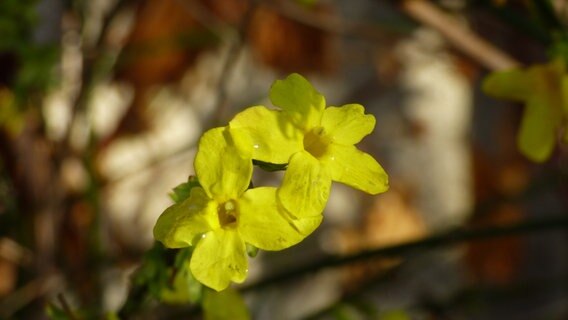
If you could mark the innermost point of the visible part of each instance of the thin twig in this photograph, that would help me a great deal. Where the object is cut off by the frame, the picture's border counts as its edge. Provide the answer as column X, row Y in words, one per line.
column 463, row 297
column 445, row 239
column 27, row 293
column 107, row 20
column 463, row 39
column 332, row 23
column 231, row 59
column 12, row 251
column 66, row 307
column 370, row 281
column 156, row 161
column 202, row 14
column 90, row 57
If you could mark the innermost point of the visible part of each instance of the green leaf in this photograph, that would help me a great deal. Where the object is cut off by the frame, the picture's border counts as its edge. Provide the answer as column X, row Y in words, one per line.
column 252, row 251
column 165, row 275
column 227, row 304
column 56, row 313
column 343, row 311
column 559, row 49
column 111, row 316
column 395, row 315
column 182, row 191
column 182, row 257
column 185, row 288
column 154, row 273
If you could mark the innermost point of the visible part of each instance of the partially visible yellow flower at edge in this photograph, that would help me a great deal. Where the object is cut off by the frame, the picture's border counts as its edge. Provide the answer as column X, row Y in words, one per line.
column 544, row 91
column 316, row 142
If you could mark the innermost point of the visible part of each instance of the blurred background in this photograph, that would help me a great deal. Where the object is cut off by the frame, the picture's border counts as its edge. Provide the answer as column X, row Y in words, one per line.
column 102, row 103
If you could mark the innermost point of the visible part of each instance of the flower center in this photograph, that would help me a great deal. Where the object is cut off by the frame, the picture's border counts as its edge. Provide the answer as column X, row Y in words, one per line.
column 316, row 142
column 227, row 213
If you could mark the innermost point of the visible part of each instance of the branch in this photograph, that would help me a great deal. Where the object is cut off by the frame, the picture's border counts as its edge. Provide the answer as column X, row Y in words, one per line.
column 27, row 293
column 463, row 39
column 12, row 251
column 65, row 307
column 90, row 56
column 221, row 102
column 445, row 239
column 376, row 31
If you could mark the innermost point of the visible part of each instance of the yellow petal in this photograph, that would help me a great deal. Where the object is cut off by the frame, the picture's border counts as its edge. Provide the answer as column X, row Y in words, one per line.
column 510, row 84
column 298, row 98
column 347, row 124
column 227, row 304
column 355, row 168
column 181, row 223
column 305, row 187
column 307, row 225
column 262, row 221
column 219, row 258
column 537, row 134
column 544, row 111
column 268, row 133
column 223, row 169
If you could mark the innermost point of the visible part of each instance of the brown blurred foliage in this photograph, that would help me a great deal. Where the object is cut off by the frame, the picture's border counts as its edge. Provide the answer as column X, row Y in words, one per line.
column 165, row 40
column 169, row 35
column 497, row 261
column 9, row 272
column 288, row 45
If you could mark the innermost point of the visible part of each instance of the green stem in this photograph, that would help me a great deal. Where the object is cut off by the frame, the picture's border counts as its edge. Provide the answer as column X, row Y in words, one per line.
column 445, row 239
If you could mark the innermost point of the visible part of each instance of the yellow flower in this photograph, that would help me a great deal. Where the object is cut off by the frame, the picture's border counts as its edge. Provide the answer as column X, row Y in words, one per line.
column 544, row 90
column 222, row 215
column 316, row 142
